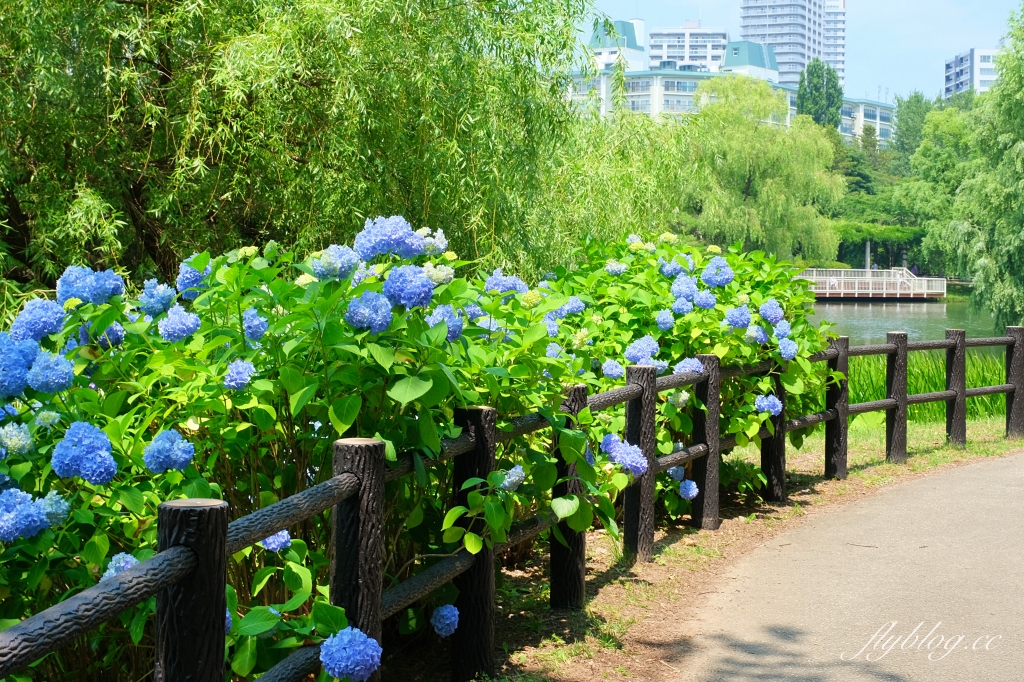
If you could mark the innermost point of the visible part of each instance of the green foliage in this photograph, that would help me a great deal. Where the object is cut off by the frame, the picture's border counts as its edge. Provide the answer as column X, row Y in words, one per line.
column 819, row 94
column 909, row 123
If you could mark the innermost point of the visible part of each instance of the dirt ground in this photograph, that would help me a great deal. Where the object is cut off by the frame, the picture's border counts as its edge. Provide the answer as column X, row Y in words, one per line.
column 632, row 627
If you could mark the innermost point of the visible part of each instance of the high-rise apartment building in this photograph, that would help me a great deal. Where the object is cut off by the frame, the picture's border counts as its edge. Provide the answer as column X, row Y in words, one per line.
column 835, row 37
column 796, row 31
column 974, row 69
column 691, row 46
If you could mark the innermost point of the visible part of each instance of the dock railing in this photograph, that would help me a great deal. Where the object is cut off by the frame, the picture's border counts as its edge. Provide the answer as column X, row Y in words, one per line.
column 893, row 283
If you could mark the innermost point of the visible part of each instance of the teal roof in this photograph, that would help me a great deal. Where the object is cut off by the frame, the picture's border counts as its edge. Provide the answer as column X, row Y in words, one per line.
column 747, row 53
column 626, row 36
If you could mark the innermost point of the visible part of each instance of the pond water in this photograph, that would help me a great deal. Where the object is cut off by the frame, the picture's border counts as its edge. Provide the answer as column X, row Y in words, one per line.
column 868, row 322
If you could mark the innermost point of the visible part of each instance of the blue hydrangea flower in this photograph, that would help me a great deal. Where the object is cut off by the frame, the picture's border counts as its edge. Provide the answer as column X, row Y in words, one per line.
column 689, row 365
column 190, row 281
column 119, row 564
column 51, row 373
column 473, row 311
column 782, row 330
column 756, row 334
column 677, row 473
column 168, row 451
column 503, row 284
column 445, row 313
column 11, row 410
column 665, row 320
column 227, row 620
column 361, row 273
column 21, row 516
column 571, row 307
column 239, row 375
column 445, row 619
column 633, row 239
column 589, row 455
column 514, row 478
column 688, row 490
column 768, row 403
column 705, row 299
column 178, row 325
column 641, row 350
column 682, row 306
column 788, row 349
column 16, row 439
column 615, row 268
column 609, row 442
column 684, row 286
column 689, row 261
column 551, row 323
column 40, row 317
column 55, row 508
column 659, row 365
column 84, row 452
column 370, row 311
column 277, row 541
column 717, row 273
column 739, row 317
column 156, row 298
column 407, row 285
column 384, row 236
column 47, row 419
column 435, row 244
column 553, row 350
column 112, row 336
column 335, row 261
column 669, row 268
column 629, row 457
column 612, row 369
column 88, row 286
column 350, row 653
column 771, row 311
column 253, row 325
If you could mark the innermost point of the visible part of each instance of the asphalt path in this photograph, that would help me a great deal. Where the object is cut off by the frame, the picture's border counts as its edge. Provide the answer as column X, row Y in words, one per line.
column 923, row 581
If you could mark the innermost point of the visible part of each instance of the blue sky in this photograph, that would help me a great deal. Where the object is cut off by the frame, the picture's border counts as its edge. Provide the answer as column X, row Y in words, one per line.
column 896, row 44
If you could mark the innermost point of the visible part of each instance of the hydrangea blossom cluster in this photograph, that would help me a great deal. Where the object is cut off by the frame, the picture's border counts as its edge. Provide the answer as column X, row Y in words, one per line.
column 408, row 285
column 277, row 541
column 788, row 349
column 682, row 307
column 612, row 369
column 178, row 325
column 111, row 337
column 514, row 478
column 756, row 334
column 370, row 311
column 88, row 286
column 684, row 286
column 438, row 274
column 47, row 419
column 445, row 313
column 40, row 317
column 190, row 280
column 85, row 452
column 679, row 398
column 615, row 268
column 553, row 350
column 350, row 654
column 782, row 330
column 119, row 564
column 168, row 451
column 705, row 299
column 239, row 375
column 254, row 325
column 571, row 307
column 335, row 261
column 717, row 273
column 502, row 284
column 768, row 403
column 627, row 456
column 738, row 318
column 771, row 311
column 641, row 351
column 669, row 268
column 51, row 373
column 433, row 244
column 16, row 358
column 16, row 439
column 665, row 320
column 22, row 516
column 689, row 365
column 156, row 298
column 688, row 490
column 55, row 507
column 386, row 236
column 445, row 620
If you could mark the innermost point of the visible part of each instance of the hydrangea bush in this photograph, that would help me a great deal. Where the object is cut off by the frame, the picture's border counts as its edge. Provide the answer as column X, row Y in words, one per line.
column 234, row 380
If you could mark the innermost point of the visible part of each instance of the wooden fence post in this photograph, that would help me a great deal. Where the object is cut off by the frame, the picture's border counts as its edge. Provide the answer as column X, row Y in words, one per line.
column 956, row 380
column 1015, row 376
column 473, row 641
column 837, row 397
column 569, row 562
column 896, row 389
column 704, row 507
column 190, row 614
column 773, row 449
column 638, row 504
column 357, row 550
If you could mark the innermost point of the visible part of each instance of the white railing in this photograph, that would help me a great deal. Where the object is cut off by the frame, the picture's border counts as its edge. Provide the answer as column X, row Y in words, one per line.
column 894, row 283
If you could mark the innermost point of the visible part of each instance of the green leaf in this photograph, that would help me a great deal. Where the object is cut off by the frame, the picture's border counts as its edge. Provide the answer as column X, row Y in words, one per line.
column 582, row 519
column 257, row 621
column 453, row 534
column 409, row 389
column 534, row 334
column 245, row 657
column 138, row 627
column 298, row 578
column 474, row 543
column 620, row 480
column 291, row 379
column 18, row 471
column 262, row 577
column 197, row 488
column 384, row 356
column 132, row 499
column 298, row 400
column 415, row 517
column 297, row 600
column 452, row 516
column 344, row 412
column 428, row 431
column 95, row 550
column 494, row 514
column 264, row 416
column 545, row 475
column 565, row 507
column 328, row 619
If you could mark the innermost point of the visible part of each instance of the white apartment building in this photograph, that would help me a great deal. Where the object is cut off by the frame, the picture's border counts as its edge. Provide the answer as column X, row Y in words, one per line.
column 691, row 46
column 974, row 69
column 795, row 29
column 627, row 44
column 835, row 37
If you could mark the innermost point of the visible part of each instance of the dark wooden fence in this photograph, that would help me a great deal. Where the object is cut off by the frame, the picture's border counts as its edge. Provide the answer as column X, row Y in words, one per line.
column 188, row 574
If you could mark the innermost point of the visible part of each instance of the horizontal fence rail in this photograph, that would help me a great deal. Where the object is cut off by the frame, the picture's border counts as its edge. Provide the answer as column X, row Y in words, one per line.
column 195, row 539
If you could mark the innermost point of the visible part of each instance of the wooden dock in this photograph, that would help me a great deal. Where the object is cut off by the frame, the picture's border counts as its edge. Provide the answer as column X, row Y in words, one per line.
column 893, row 284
